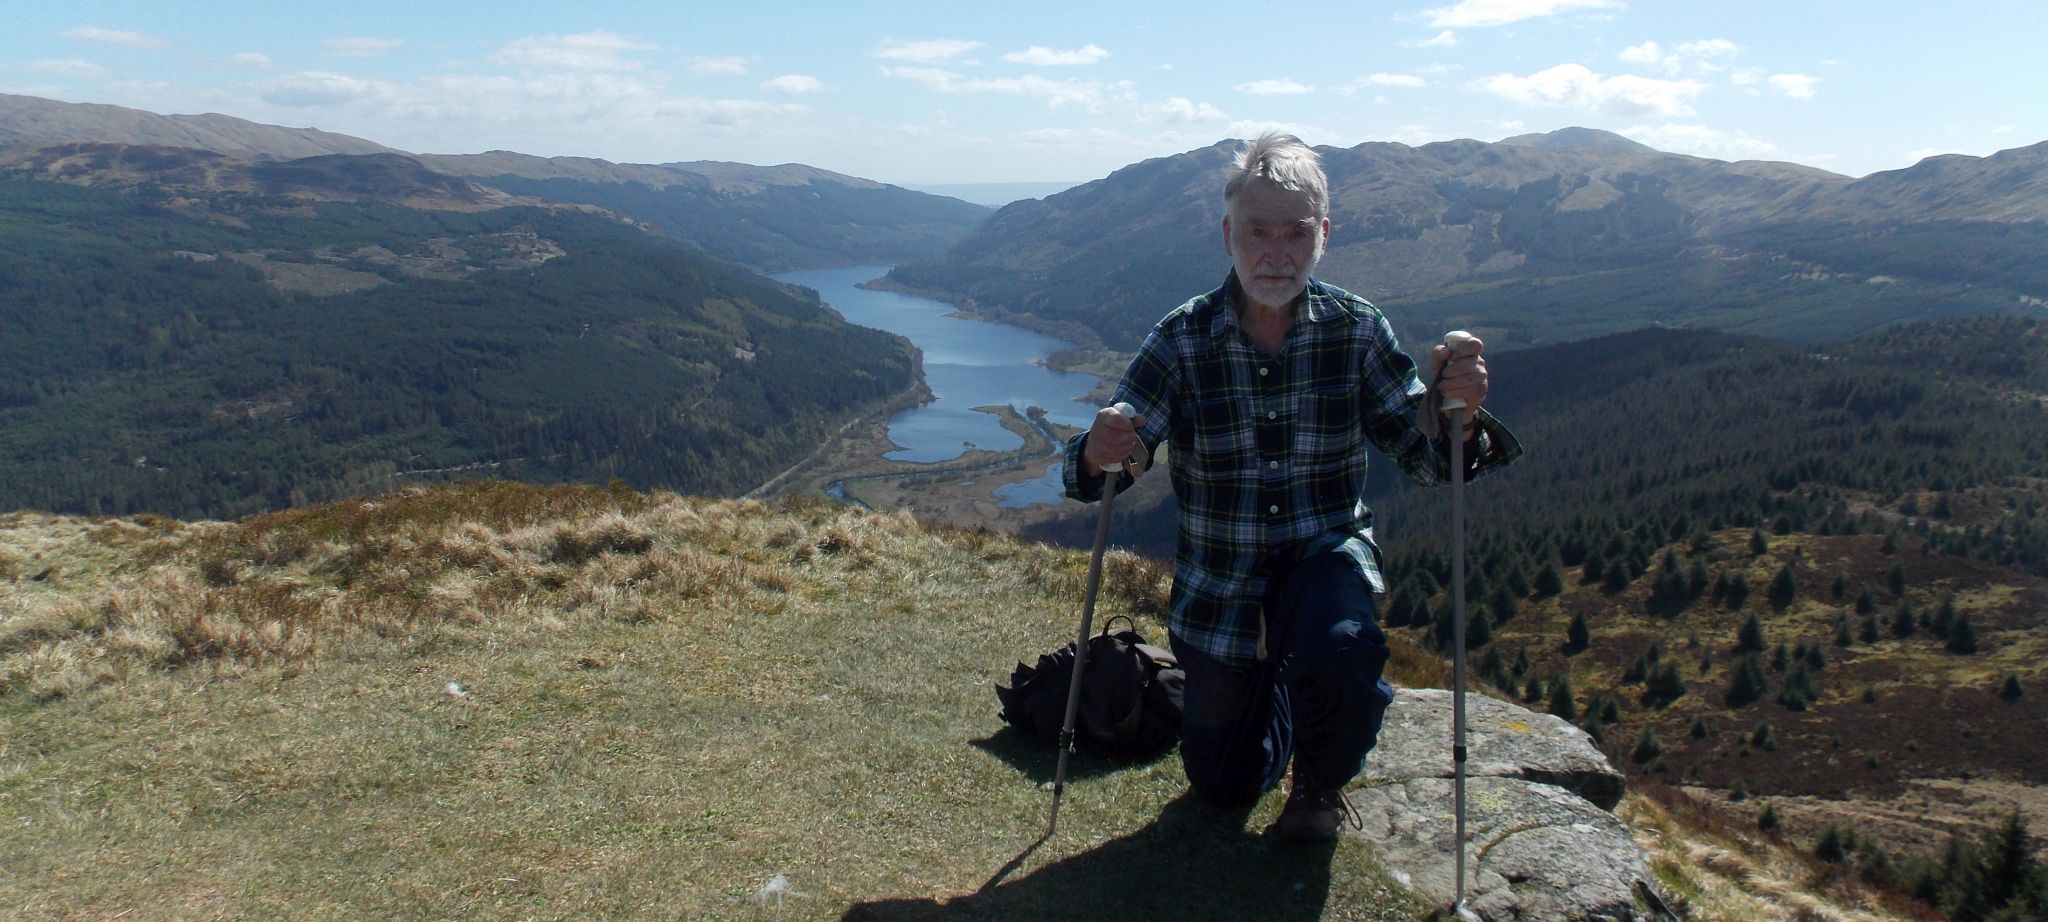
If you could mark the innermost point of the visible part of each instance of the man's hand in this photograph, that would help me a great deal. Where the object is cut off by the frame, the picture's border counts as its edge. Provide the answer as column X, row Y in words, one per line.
column 1460, row 374
column 1113, row 440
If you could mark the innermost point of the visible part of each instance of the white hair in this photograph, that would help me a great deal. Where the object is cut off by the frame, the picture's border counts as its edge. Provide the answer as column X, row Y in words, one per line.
column 1281, row 159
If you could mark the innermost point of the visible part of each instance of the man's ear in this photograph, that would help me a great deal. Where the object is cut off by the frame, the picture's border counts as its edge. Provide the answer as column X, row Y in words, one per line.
column 1326, row 229
column 1226, row 237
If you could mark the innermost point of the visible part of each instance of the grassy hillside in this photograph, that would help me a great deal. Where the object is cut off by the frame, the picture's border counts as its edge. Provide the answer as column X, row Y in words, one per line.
column 505, row 701
column 218, row 354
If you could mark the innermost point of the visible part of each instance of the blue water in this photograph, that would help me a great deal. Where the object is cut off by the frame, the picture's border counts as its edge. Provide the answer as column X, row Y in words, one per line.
column 968, row 364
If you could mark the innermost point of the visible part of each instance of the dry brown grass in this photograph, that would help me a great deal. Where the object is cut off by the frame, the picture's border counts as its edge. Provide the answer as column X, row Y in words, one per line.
column 1728, row 871
column 451, row 563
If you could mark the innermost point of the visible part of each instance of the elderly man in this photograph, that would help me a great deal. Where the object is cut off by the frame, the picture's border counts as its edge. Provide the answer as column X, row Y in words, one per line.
column 1267, row 390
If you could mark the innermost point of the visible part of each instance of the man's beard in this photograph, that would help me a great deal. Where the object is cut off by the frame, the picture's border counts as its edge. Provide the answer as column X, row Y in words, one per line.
column 1278, row 294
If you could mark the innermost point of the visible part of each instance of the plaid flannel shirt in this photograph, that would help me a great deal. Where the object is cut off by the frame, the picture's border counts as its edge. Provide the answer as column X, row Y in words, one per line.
column 1267, row 454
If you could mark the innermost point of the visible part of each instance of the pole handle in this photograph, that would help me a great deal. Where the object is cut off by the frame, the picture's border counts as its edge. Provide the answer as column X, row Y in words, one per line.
column 1452, row 341
column 1126, row 410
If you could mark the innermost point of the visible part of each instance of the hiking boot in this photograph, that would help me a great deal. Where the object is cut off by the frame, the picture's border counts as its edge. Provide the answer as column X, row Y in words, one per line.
column 1316, row 816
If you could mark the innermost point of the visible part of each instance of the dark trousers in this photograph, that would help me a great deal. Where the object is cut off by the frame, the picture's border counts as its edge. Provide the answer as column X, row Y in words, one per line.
column 1317, row 698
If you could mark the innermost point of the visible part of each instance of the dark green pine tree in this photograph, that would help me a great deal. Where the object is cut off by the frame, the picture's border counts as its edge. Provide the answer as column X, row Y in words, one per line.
column 2010, row 689
column 1750, row 637
column 1665, row 685
column 1548, row 582
column 1903, row 622
column 1784, row 588
column 1561, row 703
column 1830, row 848
column 1746, row 681
column 1962, row 638
column 2010, row 873
column 1577, row 635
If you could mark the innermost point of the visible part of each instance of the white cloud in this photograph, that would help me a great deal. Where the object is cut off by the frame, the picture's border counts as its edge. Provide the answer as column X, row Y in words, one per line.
column 1797, row 86
column 1406, row 81
column 575, row 105
column 732, row 66
column 73, row 68
column 1709, row 56
column 118, row 37
column 1748, row 76
column 1088, row 94
column 363, row 47
column 931, row 51
column 794, row 84
column 1285, row 86
column 2005, row 129
column 1646, row 53
column 1474, row 13
column 254, row 59
column 1180, row 110
column 1702, row 141
column 1041, row 56
column 581, row 51
column 1576, row 86
column 1444, row 39
column 320, row 89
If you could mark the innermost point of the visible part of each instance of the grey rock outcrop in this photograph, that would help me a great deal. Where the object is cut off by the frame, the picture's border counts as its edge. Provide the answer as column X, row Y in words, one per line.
column 1504, row 740
column 1542, row 843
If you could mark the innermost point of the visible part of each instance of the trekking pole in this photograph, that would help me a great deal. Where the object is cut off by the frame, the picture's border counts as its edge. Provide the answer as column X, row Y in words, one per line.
column 1059, row 778
column 1456, row 408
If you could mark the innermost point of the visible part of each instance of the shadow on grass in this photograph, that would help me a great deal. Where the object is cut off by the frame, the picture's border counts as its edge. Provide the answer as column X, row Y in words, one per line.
column 1039, row 761
column 1195, row 861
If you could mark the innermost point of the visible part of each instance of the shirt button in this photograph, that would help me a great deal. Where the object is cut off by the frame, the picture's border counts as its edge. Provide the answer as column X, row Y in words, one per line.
column 1273, row 509
column 1272, row 414
column 1272, row 465
column 1265, row 371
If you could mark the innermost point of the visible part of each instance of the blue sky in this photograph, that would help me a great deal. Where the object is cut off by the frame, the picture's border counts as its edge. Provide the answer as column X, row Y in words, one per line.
column 950, row 92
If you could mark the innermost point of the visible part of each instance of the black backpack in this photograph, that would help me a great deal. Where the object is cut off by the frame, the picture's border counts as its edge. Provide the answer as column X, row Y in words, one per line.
column 1130, row 694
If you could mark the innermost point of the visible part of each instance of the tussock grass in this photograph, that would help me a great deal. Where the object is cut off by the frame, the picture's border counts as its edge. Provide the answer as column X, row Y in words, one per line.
column 506, row 701
column 1725, row 870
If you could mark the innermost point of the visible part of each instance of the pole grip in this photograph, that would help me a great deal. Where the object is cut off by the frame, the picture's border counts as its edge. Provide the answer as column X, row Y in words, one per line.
column 1125, row 409
column 1452, row 341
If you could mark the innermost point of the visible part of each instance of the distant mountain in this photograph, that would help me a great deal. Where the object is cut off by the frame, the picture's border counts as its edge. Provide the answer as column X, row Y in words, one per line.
column 996, row 194
column 389, row 178
column 1539, row 238
column 769, row 218
column 188, row 333
column 29, row 121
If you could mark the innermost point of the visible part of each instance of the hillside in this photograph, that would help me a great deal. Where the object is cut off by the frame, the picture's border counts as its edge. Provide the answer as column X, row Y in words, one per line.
column 769, row 218
column 190, row 335
column 29, row 121
column 1539, row 239
column 495, row 700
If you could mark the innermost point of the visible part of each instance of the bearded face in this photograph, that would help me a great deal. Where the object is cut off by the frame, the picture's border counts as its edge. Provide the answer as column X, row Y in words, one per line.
column 1274, row 238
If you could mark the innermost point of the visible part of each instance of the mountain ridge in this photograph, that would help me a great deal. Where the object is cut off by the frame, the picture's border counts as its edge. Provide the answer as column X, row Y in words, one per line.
column 1422, row 229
